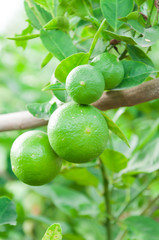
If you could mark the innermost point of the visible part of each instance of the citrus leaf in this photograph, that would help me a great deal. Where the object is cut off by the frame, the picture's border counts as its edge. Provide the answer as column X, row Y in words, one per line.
column 144, row 161
column 134, row 73
column 142, row 227
column 113, row 160
column 115, row 129
column 48, row 5
column 54, row 232
column 81, row 176
column 7, row 211
column 33, row 19
column 60, row 93
column 25, row 37
column 55, row 87
column 70, row 201
column 119, row 37
column 46, row 60
column 58, row 43
column 135, row 20
column 138, row 55
column 58, row 23
column 113, row 9
column 65, row 67
column 42, row 110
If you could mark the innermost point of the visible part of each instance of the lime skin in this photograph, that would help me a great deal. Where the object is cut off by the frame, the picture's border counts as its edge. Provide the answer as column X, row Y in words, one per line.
column 33, row 160
column 77, row 133
column 85, row 84
column 111, row 68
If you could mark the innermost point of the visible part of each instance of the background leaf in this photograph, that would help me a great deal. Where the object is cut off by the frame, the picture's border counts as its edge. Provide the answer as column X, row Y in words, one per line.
column 115, row 129
column 58, row 43
column 146, row 160
column 113, row 160
column 7, row 211
column 139, row 55
column 143, row 227
column 48, row 5
column 134, row 73
column 114, row 9
column 42, row 110
column 81, row 176
column 54, row 232
column 58, row 23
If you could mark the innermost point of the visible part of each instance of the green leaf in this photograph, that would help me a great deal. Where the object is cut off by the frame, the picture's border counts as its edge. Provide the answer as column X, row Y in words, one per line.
column 115, row 129
column 144, row 161
column 119, row 37
column 135, row 73
column 55, row 87
column 42, row 110
column 48, row 5
column 54, row 232
column 30, row 13
column 59, row 92
column 25, row 37
column 58, row 43
column 143, row 227
column 65, row 67
column 138, row 55
column 7, row 211
column 58, row 23
column 140, row 2
column 81, row 176
column 46, row 60
column 114, row 9
column 113, row 160
column 136, row 21
column 69, row 201
column 80, row 8
column 70, row 236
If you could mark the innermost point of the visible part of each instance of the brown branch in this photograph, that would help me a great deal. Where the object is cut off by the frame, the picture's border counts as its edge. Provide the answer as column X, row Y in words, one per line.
column 114, row 99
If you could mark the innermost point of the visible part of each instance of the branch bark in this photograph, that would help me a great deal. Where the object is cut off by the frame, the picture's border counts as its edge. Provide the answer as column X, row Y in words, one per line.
column 114, row 99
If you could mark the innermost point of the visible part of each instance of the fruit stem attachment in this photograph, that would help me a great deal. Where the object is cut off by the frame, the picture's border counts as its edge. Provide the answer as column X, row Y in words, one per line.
column 96, row 37
column 107, row 201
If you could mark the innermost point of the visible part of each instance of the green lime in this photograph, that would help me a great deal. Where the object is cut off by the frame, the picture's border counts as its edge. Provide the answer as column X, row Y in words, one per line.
column 85, row 84
column 33, row 160
column 77, row 133
column 111, row 68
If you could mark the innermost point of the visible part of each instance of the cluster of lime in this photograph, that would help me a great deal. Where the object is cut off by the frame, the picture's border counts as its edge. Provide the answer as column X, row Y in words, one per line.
column 77, row 132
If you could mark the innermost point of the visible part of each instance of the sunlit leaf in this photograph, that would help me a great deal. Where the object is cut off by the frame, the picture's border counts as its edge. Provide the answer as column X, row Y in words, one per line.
column 115, row 129
column 54, row 232
column 58, row 43
column 113, row 160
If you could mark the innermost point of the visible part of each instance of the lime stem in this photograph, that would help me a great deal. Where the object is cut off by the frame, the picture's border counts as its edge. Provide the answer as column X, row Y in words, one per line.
column 107, row 201
column 96, row 37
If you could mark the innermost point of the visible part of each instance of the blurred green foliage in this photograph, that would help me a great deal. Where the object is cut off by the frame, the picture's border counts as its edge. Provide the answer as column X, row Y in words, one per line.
column 75, row 198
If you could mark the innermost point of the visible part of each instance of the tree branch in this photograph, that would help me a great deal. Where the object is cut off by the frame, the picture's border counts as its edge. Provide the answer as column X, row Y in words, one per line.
column 113, row 99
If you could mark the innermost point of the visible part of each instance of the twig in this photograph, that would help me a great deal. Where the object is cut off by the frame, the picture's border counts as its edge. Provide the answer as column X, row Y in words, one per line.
column 113, row 99
column 107, row 201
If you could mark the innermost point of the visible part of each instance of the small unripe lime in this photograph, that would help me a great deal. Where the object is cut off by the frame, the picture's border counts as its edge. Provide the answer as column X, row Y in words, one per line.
column 85, row 84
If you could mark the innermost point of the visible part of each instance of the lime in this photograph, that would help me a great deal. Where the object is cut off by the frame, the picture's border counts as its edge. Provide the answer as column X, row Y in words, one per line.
column 111, row 68
column 85, row 84
column 33, row 160
column 77, row 133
